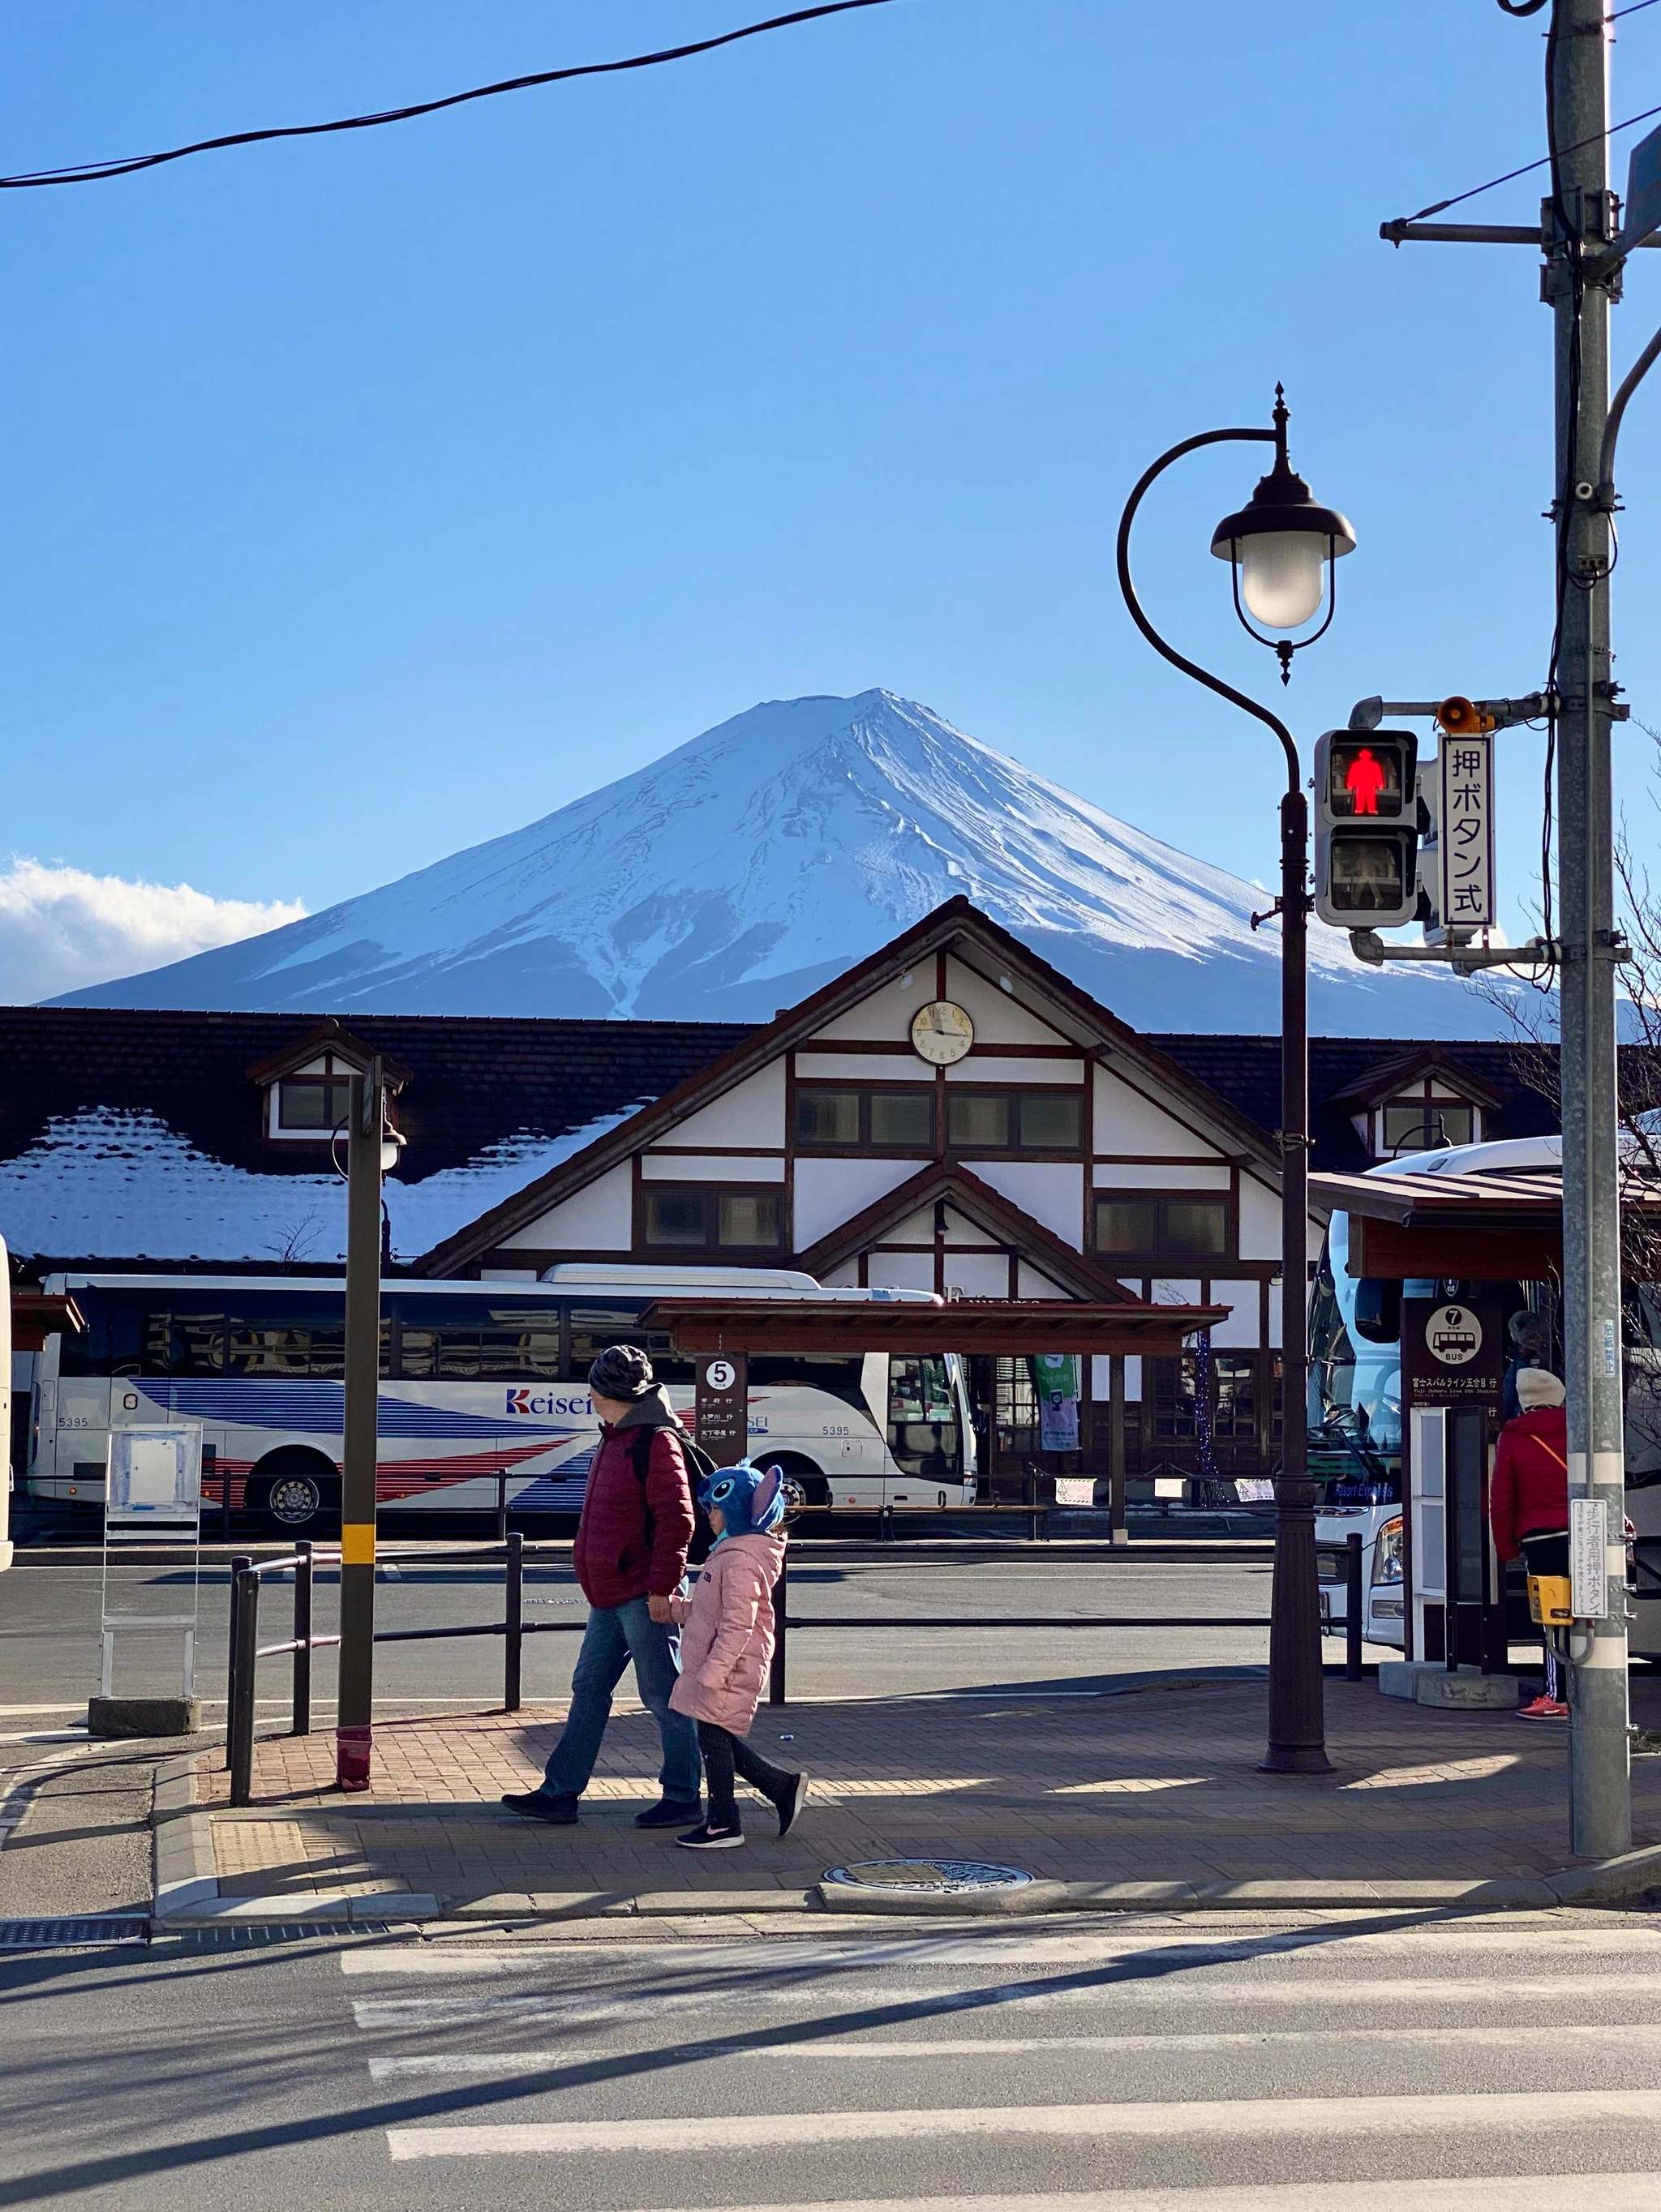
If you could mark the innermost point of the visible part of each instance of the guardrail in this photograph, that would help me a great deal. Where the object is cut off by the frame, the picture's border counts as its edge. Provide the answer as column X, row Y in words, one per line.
column 245, row 1651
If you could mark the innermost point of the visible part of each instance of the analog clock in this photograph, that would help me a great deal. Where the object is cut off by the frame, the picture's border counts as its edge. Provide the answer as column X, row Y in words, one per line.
column 941, row 1033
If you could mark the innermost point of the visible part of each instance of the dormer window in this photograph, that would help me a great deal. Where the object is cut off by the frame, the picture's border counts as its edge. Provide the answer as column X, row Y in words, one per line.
column 1424, row 1124
column 312, row 1105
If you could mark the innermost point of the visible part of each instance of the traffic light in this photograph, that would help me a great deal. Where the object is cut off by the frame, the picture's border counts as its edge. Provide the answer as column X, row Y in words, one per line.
column 1366, row 828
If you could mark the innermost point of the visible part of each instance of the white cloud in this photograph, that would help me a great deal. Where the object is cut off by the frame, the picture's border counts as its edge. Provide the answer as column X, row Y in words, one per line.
column 62, row 927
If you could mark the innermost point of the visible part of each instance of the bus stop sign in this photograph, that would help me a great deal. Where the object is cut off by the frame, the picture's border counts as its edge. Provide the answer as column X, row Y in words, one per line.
column 721, row 1414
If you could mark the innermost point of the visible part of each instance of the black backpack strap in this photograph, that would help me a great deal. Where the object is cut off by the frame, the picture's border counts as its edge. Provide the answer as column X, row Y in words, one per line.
column 699, row 1465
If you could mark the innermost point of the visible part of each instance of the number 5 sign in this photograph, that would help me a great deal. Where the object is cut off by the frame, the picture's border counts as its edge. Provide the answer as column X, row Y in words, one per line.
column 721, row 1417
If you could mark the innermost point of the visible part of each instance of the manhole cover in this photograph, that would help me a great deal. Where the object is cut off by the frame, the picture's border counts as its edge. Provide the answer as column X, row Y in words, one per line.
column 927, row 1877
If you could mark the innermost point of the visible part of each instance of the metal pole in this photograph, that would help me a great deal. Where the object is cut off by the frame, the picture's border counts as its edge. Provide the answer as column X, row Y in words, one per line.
column 239, row 1568
column 501, row 1506
column 1296, row 1723
column 1578, row 210
column 242, row 1692
column 513, row 1622
column 358, row 1508
column 303, row 1640
column 778, row 1671
column 1117, row 1528
column 1354, row 1602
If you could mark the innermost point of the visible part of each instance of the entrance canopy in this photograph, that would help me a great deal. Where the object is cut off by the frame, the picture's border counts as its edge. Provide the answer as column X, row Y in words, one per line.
column 1010, row 1325
column 1471, row 1228
column 35, row 1316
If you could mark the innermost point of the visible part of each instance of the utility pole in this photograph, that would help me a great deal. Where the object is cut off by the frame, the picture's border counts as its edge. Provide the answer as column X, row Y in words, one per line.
column 364, row 1117
column 1578, row 222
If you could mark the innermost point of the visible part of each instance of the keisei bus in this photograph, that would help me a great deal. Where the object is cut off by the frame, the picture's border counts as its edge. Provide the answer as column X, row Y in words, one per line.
column 477, row 1380
column 1355, row 1401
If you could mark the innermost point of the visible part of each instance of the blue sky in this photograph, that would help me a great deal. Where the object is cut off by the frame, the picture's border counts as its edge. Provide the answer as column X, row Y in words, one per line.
column 370, row 496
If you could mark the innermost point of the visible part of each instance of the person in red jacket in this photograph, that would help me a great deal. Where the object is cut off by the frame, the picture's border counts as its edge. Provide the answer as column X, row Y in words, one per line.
column 630, row 1558
column 1529, row 1502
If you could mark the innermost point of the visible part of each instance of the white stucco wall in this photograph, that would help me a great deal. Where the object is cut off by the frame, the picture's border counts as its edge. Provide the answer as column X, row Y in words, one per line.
column 830, row 1192
column 1051, row 1191
column 600, row 1218
column 1126, row 1122
column 978, row 1274
column 1240, row 1331
column 1138, row 1175
column 752, row 1113
column 999, row 1017
column 710, row 1167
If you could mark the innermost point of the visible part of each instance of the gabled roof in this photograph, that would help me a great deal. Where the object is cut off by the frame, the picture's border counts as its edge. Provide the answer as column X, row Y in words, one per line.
column 959, row 926
column 328, row 1036
column 989, row 1209
column 1385, row 1078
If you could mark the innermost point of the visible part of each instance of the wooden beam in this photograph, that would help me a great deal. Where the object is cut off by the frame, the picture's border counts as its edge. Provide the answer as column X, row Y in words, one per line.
column 1398, row 1252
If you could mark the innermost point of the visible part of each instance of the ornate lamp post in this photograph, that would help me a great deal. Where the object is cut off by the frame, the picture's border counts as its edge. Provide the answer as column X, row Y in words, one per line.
column 1283, row 549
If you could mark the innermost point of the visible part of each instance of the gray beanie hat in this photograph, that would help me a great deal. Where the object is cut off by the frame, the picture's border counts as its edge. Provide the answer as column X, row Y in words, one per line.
column 622, row 1371
column 1538, row 1386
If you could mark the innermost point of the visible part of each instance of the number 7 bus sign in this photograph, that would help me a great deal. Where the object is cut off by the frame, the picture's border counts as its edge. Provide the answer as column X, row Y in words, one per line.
column 1464, row 844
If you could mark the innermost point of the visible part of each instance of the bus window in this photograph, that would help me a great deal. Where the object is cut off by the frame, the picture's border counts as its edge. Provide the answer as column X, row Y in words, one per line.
column 922, row 1418
column 595, row 1323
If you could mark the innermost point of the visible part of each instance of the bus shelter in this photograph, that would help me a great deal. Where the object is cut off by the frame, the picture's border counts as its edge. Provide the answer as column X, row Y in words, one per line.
column 718, row 1334
column 1469, row 1244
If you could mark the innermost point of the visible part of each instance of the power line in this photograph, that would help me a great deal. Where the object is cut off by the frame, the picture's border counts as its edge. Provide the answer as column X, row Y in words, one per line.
column 1438, row 206
column 89, row 173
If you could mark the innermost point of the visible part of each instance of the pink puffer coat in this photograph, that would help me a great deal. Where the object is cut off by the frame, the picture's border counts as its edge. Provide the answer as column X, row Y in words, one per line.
column 726, row 1633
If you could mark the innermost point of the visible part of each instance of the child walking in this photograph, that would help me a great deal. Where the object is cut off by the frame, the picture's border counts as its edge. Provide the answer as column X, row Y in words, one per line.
column 726, row 1641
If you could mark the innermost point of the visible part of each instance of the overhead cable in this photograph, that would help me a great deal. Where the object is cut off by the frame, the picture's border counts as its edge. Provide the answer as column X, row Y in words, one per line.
column 89, row 173
column 1438, row 206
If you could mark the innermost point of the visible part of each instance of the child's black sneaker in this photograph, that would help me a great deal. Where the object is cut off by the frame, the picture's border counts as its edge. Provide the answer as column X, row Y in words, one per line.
column 790, row 1801
column 704, row 1837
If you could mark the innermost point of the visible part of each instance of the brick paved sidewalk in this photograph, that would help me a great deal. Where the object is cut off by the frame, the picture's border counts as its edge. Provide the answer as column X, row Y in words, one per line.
column 1160, row 1785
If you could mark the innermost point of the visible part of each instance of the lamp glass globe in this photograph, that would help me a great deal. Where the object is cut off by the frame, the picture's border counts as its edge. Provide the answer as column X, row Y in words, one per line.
column 1283, row 576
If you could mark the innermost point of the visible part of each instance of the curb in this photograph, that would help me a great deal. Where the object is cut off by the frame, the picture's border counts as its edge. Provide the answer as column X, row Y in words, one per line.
column 1628, row 1879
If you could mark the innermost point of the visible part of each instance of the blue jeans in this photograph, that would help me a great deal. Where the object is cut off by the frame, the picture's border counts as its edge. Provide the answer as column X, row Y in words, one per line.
column 614, row 1635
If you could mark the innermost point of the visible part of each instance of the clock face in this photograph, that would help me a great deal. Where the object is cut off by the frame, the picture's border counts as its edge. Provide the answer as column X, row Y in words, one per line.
column 941, row 1033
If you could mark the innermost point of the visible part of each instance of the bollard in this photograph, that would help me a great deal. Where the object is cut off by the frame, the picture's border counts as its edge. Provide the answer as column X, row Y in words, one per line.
column 1354, row 1602
column 242, row 1705
column 210, row 1464
column 239, row 1566
column 303, row 1640
column 501, row 1506
column 777, row 1671
column 514, row 1623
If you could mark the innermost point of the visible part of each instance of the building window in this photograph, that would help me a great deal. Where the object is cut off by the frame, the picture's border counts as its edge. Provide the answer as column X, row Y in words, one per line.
column 896, row 1119
column 1425, row 1125
column 1173, row 1399
column 1162, row 1226
column 706, row 1217
column 1234, row 1418
column 978, row 1121
column 313, row 1102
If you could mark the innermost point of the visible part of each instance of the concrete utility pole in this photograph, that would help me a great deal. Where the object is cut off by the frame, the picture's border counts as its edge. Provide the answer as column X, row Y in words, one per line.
column 1578, row 219
column 365, row 1114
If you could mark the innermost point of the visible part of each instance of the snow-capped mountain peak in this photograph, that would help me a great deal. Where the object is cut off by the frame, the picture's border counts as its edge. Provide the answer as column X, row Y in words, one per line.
column 748, row 864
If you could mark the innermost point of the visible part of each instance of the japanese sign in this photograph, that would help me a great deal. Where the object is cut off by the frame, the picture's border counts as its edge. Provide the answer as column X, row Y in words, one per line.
column 1465, row 833
column 1453, row 1354
column 1589, row 1536
column 721, row 1419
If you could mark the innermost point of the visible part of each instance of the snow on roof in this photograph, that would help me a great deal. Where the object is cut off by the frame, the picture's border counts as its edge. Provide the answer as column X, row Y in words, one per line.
column 119, row 1184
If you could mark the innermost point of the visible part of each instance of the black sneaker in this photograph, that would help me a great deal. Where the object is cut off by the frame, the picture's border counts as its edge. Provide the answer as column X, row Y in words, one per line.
column 788, row 1805
column 706, row 1839
column 540, row 1805
column 670, row 1813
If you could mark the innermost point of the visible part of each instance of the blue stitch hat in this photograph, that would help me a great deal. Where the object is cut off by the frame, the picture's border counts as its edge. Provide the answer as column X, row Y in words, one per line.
column 752, row 1499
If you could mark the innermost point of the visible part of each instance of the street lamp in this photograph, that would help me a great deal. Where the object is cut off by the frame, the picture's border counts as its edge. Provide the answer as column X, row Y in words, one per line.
column 1283, row 549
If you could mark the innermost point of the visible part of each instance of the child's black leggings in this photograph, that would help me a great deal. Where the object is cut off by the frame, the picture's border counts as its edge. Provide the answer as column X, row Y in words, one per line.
column 722, row 1752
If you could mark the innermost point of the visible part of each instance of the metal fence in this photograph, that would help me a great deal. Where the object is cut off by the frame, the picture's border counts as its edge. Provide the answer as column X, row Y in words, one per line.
column 245, row 1651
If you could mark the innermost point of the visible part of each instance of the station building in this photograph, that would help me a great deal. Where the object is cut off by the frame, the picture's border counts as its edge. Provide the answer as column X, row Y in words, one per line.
column 952, row 1114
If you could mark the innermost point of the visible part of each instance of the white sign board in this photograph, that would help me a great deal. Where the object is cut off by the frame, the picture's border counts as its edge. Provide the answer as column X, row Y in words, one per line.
column 1589, row 1529
column 1465, row 833
column 154, row 1475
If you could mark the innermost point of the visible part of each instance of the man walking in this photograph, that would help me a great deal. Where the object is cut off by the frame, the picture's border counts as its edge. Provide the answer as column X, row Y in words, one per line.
column 630, row 1558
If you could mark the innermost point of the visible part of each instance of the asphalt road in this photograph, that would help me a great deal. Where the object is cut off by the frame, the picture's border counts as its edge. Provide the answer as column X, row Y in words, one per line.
column 1127, row 2067
column 49, row 1621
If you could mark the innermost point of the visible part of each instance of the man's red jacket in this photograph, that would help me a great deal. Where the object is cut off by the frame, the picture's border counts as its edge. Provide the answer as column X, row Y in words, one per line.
column 632, row 1539
column 1530, row 1490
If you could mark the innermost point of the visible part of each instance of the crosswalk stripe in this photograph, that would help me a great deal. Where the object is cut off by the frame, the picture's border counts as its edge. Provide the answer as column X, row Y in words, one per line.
column 1573, row 2034
column 1327, row 2118
column 1615, row 2192
column 727, row 1953
column 580, row 2011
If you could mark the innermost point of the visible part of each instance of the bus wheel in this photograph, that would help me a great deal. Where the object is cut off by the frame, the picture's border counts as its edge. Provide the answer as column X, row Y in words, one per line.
column 815, row 1487
column 296, row 1495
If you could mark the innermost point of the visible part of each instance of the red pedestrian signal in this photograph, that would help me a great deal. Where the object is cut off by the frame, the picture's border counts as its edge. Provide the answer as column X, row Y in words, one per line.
column 1365, row 781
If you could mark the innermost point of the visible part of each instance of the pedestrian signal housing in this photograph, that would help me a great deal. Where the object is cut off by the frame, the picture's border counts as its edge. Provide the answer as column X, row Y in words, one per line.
column 1366, row 828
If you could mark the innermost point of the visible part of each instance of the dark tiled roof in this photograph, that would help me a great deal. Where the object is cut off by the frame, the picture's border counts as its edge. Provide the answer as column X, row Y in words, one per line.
column 473, row 1083
column 1246, row 1071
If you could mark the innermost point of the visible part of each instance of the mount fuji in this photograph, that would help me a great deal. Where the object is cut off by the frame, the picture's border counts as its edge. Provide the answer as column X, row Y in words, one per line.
column 747, row 868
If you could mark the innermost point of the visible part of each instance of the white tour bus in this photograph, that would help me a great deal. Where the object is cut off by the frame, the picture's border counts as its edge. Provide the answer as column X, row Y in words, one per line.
column 478, row 1379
